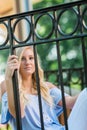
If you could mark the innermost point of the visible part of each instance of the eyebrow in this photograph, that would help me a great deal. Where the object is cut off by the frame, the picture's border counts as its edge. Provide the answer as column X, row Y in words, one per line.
column 28, row 56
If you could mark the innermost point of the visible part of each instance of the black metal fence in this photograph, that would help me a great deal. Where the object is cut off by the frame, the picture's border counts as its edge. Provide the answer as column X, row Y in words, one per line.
column 56, row 34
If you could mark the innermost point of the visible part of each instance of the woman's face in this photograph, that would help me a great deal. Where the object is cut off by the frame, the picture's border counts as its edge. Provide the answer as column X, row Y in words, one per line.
column 27, row 66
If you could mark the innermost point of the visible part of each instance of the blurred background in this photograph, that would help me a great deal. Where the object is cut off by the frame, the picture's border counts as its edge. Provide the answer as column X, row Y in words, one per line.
column 10, row 7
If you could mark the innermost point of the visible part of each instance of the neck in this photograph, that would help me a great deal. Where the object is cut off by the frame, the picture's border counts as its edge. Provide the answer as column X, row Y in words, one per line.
column 28, row 85
column 27, row 82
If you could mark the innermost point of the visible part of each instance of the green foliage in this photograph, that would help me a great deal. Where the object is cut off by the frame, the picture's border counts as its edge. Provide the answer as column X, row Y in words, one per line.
column 47, row 3
column 3, row 59
column 3, row 55
column 71, row 50
column 5, row 128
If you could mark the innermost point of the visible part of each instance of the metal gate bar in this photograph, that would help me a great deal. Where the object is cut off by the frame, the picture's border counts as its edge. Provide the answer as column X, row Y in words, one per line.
column 15, row 82
column 38, row 89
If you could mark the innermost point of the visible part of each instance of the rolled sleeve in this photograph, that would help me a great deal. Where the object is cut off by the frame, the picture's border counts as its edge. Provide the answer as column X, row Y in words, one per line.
column 57, row 97
column 56, row 94
column 5, row 115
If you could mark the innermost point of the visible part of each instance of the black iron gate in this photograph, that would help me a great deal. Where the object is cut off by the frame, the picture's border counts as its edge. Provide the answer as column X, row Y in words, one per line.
column 56, row 34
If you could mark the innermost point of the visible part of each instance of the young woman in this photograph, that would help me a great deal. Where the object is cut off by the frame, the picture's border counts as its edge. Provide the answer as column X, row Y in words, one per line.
column 50, row 95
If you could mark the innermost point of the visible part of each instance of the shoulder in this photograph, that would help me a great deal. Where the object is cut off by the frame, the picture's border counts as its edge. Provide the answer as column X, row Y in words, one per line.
column 3, row 82
column 50, row 85
column 2, row 87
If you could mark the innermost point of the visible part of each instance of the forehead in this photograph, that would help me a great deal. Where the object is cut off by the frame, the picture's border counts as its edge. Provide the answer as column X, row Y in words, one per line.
column 28, row 52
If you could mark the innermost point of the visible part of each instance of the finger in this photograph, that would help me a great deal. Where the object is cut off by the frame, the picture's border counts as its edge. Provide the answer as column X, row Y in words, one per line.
column 13, row 61
column 13, row 66
column 11, row 57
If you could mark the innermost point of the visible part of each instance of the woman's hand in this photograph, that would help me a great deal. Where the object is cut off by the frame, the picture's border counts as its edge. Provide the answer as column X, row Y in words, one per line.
column 12, row 64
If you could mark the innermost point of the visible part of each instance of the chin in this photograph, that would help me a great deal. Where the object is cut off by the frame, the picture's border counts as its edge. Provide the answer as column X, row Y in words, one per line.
column 29, row 72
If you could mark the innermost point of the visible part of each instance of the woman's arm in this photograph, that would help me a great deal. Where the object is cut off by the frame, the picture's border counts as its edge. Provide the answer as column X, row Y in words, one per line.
column 70, row 101
column 3, row 87
column 12, row 65
column 10, row 96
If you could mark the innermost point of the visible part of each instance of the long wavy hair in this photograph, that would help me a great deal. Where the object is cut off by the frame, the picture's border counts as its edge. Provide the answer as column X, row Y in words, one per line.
column 44, row 88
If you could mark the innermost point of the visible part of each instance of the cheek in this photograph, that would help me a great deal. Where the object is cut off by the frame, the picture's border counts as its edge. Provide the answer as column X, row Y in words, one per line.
column 33, row 68
column 20, row 68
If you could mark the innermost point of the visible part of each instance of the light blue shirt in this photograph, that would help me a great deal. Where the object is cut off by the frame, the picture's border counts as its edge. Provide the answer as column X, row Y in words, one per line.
column 31, row 120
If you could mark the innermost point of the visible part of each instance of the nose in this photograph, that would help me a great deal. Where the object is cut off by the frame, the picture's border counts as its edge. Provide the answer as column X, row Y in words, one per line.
column 27, row 61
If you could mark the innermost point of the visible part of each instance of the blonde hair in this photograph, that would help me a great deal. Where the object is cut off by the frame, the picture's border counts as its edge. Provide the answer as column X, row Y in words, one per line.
column 44, row 88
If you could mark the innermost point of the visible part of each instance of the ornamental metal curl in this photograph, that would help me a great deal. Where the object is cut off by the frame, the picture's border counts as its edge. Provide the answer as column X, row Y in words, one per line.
column 14, row 28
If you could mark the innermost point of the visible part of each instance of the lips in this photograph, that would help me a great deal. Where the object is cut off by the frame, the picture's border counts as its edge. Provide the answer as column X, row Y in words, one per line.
column 27, row 68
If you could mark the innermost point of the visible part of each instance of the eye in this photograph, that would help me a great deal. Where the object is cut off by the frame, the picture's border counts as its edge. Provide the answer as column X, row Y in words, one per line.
column 23, row 59
column 31, row 58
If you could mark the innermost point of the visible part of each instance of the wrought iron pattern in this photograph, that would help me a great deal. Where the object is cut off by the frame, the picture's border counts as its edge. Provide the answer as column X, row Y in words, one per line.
column 55, row 16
